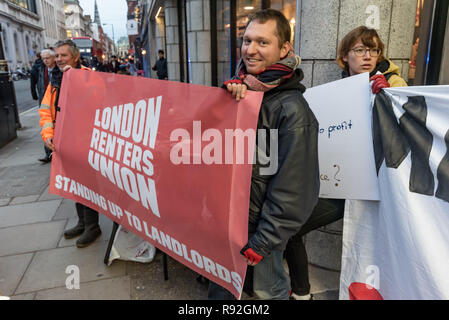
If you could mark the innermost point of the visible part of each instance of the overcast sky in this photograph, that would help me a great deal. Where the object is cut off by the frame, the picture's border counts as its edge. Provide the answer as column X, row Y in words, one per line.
column 111, row 12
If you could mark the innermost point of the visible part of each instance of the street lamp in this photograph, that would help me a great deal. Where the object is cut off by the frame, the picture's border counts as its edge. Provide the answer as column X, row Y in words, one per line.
column 110, row 24
column 113, row 36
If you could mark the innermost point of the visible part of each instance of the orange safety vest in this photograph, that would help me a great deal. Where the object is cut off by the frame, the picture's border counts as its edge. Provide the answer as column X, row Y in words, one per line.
column 47, row 111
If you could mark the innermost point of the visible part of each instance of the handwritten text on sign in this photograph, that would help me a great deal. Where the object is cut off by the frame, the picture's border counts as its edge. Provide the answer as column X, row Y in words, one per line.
column 347, row 167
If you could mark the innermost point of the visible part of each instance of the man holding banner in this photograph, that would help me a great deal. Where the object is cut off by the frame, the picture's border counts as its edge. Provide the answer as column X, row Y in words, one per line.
column 67, row 56
column 282, row 199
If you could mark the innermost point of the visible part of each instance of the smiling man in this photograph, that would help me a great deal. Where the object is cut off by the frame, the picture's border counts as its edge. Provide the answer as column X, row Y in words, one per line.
column 281, row 201
column 67, row 56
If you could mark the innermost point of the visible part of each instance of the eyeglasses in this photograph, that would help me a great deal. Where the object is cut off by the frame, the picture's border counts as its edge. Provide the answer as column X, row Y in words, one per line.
column 360, row 51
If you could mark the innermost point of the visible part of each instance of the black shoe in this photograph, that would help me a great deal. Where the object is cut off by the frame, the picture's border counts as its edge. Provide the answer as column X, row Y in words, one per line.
column 45, row 160
column 74, row 232
column 91, row 228
column 88, row 237
column 79, row 228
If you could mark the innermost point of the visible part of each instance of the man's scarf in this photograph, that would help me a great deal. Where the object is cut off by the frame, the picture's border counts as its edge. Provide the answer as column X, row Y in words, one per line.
column 270, row 77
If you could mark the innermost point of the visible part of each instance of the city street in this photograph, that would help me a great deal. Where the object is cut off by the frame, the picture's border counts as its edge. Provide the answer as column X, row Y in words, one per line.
column 23, row 95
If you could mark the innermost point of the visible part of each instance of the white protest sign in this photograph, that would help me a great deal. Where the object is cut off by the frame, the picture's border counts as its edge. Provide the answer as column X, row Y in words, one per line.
column 345, row 143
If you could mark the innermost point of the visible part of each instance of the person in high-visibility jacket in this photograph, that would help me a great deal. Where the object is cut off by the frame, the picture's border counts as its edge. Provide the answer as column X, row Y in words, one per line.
column 67, row 56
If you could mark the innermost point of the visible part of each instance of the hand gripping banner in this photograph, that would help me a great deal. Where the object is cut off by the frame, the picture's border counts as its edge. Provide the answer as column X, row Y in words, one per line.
column 159, row 158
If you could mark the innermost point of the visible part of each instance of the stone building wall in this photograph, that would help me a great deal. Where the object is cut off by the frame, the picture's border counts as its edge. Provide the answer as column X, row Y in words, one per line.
column 22, row 34
column 321, row 24
column 198, row 37
column 172, row 40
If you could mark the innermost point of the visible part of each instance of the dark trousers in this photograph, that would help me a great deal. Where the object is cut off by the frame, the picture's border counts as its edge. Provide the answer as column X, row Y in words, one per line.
column 47, row 152
column 326, row 211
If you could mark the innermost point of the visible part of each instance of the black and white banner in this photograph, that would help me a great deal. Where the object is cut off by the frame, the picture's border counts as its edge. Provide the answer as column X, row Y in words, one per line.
column 398, row 247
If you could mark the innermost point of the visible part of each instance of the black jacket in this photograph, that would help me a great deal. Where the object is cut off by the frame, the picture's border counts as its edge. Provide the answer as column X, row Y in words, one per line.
column 281, row 203
column 37, row 80
column 161, row 68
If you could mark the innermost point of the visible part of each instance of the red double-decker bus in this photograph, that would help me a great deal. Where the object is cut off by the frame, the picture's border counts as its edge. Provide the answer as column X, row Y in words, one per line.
column 89, row 48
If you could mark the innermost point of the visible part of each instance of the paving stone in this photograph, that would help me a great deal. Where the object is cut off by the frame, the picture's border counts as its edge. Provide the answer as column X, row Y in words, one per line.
column 323, row 280
column 324, row 249
column 147, row 281
column 110, row 289
column 25, row 199
column 25, row 151
column 26, row 296
column 32, row 237
column 28, row 213
column 12, row 269
column 4, row 201
column 66, row 210
column 48, row 196
column 48, row 268
column 327, row 295
column 23, row 180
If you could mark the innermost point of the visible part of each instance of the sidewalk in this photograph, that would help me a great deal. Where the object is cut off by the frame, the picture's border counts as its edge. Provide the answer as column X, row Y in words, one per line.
column 34, row 255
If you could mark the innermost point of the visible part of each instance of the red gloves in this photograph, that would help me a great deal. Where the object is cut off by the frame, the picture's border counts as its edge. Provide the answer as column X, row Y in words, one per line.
column 379, row 83
column 252, row 256
column 238, row 81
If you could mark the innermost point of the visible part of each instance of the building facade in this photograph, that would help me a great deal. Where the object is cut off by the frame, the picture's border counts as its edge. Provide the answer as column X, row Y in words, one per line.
column 202, row 41
column 53, row 21
column 74, row 19
column 21, row 32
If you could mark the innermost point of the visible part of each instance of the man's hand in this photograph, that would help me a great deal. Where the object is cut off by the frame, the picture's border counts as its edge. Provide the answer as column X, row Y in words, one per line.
column 379, row 83
column 236, row 88
column 252, row 258
column 49, row 144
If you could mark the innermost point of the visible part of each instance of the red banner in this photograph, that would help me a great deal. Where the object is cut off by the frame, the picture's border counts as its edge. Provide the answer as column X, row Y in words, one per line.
column 169, row 161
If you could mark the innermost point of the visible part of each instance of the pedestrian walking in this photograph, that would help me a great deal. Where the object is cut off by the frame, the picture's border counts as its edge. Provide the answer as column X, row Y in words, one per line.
column 161, row 66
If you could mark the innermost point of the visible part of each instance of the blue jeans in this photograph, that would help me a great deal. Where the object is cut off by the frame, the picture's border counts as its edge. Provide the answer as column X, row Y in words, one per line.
column 271, row 282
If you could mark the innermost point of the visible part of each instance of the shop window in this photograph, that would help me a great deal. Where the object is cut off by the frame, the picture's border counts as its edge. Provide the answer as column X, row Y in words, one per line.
column 26, row 4
column 288, row 8
column 244, row 9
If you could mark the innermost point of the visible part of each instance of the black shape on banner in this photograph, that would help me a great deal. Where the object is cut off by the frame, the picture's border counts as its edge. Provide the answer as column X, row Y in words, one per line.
column 393, row 141
column 443, row 174
column 390, row 142
column 413, row 124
